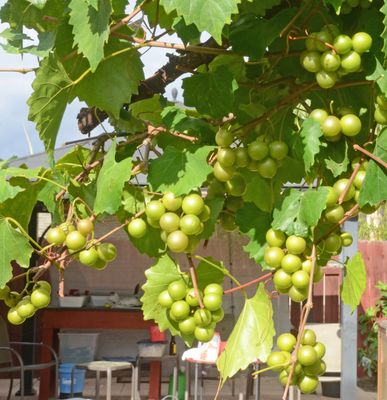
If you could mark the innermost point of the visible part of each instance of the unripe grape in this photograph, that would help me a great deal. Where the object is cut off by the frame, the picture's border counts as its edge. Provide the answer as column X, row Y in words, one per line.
column 241, row 157
column 275, row 238
column 319, row 115
column 226, row 157
column 361, row 42
column 310, row 60
column 154, row 210
column 221, row 173
column 342, row 44
column 326, row 79
column 351, row 61
column 224, row 137
column 169, row 222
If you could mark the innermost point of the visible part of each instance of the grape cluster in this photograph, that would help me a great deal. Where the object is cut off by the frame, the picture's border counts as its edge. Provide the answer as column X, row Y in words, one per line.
column 23, row 307
column 259, row 156
column 330, row 54
column 348, row 5
column 181, row 220
column 289, row 256
column 79, row 242
column 380, row 113
column 347, row 123
column 183, row 309
column 309, row 364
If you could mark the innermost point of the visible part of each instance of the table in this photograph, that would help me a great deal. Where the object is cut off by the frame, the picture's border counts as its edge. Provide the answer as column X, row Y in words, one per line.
column 54, row 319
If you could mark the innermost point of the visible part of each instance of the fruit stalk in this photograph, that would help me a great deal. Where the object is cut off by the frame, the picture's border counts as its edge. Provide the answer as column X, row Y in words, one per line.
column 304, row 317
column 370, row 155
column 239, row 287
column 350, row 180
column 194, row 278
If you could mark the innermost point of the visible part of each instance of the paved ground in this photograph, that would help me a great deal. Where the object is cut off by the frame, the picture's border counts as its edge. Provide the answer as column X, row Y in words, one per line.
column 270, row 390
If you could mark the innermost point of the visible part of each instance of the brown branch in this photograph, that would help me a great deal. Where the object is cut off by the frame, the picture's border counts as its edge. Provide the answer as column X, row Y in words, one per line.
column 350, row 181
column 89, row 118
column 19, row 70
column 194, row 278
column 128, row 18
column 261, row 278
column 370, row 155
column 304, row 318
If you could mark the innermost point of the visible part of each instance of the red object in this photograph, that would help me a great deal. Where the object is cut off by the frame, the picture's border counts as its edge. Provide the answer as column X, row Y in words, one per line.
column 156, row 335
column 222, row 346
column 54, row 319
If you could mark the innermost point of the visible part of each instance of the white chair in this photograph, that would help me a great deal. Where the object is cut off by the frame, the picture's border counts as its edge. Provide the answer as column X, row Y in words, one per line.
column 109, row 367
column 11, row 361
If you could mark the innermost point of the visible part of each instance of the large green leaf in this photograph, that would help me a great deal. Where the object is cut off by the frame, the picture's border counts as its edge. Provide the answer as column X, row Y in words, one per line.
column 114, row 81
column 384, row 33
column 8, row 188
column 111, row 181
column 207, row 273
column 179, row 171
column 335, row 157
column 251, row 338
column 204, row 91
column 48, row 100
column 300, row 211
column 251, row 35
column 254, row 223
column 354, row 282
column 258, row 191
column 374, row 188
column 14, row 247
column 90, row 28
column 159, row 276
column 310, row 134
column 208, row 15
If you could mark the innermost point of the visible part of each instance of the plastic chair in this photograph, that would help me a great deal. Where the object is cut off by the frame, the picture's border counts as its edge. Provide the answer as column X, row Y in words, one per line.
column 8, row 355
column 109, row 367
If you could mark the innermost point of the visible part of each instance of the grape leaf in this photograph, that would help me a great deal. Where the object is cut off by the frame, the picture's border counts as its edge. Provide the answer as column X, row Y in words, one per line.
column 48, row 101
column 159, row 276
column 374, row 188
column 383, row 10
column 179, row 171
column 115, row 80
column 90, row 28
column 252, row 337
column 299, row 211
column 111, row 180
column 8, row 189
column 310, row 134
column 378, row 75
column 38, row 3
column 335, row 157
column 258, row 191
column 254, row 223
column 354, row 281
column 203, row 91
column 207, row 273
column 17, row 249
column 251, row 35
column 208, row 15
column 259, row 7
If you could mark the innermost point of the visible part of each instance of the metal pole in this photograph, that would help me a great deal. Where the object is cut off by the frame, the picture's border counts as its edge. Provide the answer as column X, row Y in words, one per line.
column 348, row 386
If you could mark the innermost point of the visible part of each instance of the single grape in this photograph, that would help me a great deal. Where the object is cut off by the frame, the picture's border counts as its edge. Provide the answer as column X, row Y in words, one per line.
column 226, row 157
column 319, row 115
column 330, row 61
column 169, row 222
column 351, row 61
column 275, row 238
column 350, row 125
column 268, row 168
column 331, row 126
column 311, row 61
column 361, row 42
column 326, row 79
column 342, row 44
column 223, row 174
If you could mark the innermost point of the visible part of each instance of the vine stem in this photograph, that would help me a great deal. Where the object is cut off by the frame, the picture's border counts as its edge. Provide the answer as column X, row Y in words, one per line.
column 370, row 155
column 240, row 287
column 350, row 180
column 19, row 70
column 129, row 17
column 224, row 272
column 304, row 317
column 194, row 277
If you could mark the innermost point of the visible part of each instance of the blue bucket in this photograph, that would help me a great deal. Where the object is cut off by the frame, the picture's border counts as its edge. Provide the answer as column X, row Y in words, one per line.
column 78, row 379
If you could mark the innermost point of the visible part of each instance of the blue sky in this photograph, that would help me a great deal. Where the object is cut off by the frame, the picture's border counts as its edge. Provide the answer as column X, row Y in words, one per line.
column 15, row 89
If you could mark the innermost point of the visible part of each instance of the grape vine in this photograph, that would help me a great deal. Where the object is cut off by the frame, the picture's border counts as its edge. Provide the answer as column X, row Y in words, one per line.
column 280, row 137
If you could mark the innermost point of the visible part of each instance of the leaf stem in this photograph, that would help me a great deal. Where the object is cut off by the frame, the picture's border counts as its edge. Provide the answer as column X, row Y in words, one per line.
column 194, row 278
column 24, row 232
column 370, row 155
column 269, row 369
column 224, row 271
column 240, row 287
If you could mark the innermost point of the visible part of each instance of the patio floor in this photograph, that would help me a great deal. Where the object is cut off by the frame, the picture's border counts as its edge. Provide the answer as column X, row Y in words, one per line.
column 270, row 390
